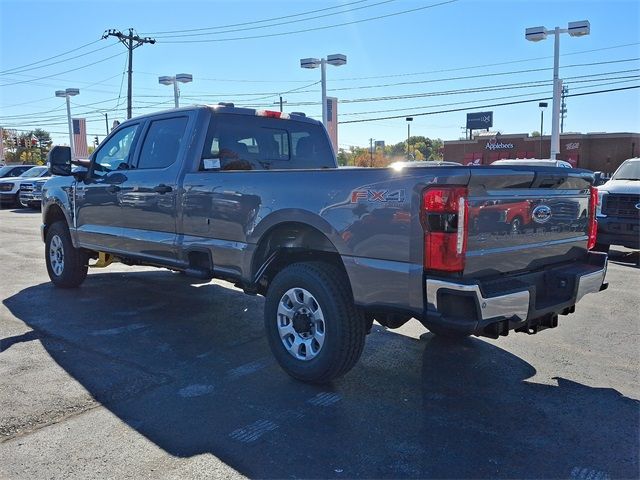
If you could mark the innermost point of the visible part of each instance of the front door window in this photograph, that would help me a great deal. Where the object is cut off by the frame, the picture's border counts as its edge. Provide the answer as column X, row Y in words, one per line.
column 114, row 155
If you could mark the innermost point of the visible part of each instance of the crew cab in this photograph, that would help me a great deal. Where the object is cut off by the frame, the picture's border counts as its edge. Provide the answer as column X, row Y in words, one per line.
column 256, row 198
column 619, row 208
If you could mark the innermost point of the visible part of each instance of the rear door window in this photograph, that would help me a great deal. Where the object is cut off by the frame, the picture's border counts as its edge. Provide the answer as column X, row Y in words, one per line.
column 243, row 142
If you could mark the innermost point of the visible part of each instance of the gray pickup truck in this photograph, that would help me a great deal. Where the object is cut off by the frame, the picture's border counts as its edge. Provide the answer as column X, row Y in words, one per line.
column 254, row 197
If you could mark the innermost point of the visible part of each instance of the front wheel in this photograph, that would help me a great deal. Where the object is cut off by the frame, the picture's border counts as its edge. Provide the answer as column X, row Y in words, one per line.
column 66, row 265
column 314, row 329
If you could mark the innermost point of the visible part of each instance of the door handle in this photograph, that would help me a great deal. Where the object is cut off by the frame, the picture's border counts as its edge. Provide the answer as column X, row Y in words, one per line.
column 113, row 189
column 162, row 188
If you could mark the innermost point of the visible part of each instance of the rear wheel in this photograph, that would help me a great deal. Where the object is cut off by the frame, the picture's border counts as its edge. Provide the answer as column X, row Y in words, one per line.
column 315, row 331
column 67, row 266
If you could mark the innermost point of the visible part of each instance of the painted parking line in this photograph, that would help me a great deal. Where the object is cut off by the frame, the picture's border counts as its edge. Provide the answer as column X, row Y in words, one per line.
column 253, row 432
column 581, row 473
column 325, row 399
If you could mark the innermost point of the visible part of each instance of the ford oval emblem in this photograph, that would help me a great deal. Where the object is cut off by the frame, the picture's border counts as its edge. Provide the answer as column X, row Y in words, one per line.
column 541, row 214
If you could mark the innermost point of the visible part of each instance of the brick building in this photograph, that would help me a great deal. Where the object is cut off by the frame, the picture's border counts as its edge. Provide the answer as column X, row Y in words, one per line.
column 594, row 151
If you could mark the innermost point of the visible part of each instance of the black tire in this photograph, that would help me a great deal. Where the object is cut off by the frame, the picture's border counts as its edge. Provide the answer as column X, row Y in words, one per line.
column 601, row 247
column 344, row 324
column 70, row 269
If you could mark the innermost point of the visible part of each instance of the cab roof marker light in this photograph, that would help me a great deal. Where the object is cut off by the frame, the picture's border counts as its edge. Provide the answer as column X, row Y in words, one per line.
column 272, row 114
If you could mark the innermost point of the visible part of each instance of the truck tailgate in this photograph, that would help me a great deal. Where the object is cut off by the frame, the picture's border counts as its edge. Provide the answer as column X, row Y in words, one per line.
column 523, row 218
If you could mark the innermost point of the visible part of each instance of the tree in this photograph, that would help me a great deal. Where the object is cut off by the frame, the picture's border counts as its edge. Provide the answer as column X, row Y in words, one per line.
column 31, row 146
column 344, row 157
column 535, row 133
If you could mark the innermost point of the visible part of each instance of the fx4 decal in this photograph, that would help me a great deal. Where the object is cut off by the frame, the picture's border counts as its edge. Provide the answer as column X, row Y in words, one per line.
column 378, row 196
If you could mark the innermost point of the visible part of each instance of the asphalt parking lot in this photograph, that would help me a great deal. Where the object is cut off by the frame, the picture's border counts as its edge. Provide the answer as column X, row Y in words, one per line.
column 144, row 373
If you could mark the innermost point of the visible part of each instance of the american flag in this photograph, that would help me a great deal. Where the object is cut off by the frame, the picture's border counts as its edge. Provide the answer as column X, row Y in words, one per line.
column 80, row 137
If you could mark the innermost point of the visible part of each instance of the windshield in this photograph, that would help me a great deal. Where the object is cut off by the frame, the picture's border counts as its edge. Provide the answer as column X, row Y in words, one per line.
column 34, row 172
column 628, row 171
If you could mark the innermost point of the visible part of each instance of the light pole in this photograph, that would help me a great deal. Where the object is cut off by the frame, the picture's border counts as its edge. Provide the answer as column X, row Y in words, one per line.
column 336, row 60
column 181, row 78
column 535, row 34
column 409, row 120
column 69, row 92
column 542, row 106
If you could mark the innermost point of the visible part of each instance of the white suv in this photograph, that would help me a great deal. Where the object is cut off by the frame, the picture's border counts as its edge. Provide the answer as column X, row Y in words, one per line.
column 10, row 187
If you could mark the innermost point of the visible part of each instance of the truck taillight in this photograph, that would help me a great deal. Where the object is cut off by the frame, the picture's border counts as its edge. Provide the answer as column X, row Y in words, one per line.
column 444, row 219
column 593, row 223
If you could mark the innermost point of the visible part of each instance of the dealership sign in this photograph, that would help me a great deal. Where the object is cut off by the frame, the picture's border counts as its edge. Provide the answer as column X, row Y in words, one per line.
column 479, row 120
column 493, row 144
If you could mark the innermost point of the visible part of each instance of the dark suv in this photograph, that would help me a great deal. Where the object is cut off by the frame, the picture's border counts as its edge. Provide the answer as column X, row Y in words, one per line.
column 618, row 210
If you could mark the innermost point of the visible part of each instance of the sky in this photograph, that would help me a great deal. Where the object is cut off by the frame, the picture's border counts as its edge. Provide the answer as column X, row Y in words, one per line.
column 248, row 52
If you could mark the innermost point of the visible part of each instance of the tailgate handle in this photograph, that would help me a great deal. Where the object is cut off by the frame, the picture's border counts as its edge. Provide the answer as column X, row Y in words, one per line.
column 162, row 188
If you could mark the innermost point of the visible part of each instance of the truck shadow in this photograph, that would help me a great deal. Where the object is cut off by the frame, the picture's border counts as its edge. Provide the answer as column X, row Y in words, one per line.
column 624, row 257
column 187, row 366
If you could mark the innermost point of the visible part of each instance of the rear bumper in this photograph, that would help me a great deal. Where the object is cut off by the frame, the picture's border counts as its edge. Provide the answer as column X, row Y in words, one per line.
column 527, row 302
column 619, row 231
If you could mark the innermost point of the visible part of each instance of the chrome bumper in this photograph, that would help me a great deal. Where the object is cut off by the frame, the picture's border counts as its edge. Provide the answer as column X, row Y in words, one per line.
column 514, row 305
column 506, row 306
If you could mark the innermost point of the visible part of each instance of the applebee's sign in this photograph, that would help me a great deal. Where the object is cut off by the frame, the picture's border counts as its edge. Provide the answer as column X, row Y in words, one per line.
column 493, row 144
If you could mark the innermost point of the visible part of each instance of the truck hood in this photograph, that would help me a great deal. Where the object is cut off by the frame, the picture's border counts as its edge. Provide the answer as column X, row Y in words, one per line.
column 621, row 186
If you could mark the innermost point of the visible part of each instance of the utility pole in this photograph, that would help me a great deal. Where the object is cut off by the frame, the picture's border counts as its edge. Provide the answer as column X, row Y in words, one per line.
column 106, row 122
column 563, row 107
column 281, row 102
column 132, row 42
column 371, row 152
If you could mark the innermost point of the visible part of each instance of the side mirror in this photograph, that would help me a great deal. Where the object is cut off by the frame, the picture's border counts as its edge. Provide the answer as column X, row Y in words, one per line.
column 598, row 179
column 59, row 161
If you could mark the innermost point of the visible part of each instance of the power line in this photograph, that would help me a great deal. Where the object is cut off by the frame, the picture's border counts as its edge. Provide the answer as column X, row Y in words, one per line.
column 17, row 72
column 446, row 2
column 256, row 21
column 222, row 32
column 486, row 106
column 497, row 64
column 62, row 73
column 483, row 75
column 635, row 78
column 508, row 86
column 51, row 58
column 504, row 86
column 524, row 60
